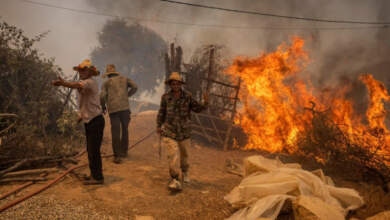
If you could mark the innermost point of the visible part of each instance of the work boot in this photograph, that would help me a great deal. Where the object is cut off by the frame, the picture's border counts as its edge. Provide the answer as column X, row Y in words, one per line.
column 93, row 181
column 117, row 160
column 174, row 185
column 186, row 179
column 84, row 177
column 125, row 155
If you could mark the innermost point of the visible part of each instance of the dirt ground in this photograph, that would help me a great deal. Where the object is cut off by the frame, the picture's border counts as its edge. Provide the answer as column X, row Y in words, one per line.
column 138, row 186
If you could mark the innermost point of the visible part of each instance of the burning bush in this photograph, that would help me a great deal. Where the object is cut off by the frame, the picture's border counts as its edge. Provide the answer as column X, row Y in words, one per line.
column 339, row 152
column 276, row 118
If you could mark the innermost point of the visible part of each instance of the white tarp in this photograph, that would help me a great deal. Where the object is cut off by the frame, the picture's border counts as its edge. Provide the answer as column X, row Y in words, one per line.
column 380, row 216
column 268, row 183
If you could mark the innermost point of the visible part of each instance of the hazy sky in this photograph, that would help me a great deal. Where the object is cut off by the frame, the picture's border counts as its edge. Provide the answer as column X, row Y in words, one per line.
column 73, row 35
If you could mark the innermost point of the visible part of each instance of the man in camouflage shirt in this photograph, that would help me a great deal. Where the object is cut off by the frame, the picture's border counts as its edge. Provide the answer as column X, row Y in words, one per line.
column 173, row 124
column 114, row 95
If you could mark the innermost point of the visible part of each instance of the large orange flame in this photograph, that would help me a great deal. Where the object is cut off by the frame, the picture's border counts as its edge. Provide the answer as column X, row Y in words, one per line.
column 276, row 101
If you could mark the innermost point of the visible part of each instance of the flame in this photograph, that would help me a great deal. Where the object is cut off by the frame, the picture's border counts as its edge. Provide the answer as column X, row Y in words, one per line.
column 275, row 101
column 376, row 112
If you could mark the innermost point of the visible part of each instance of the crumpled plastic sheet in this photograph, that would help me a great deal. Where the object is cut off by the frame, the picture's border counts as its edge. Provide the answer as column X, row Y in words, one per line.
column 269, row 183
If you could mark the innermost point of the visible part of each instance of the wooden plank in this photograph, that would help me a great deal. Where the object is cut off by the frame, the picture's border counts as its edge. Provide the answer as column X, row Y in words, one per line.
column 216, row 140
column 215, row 129
column 203, row 130
column 218, row 82
column 36, row 179
column 212, row 116
column 229, row 130
column 221, row 108
column 223, row 96
column 30, row 172
column 208, row 129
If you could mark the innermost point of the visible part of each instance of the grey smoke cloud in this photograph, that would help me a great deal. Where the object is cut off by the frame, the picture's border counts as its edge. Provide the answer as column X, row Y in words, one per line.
column 249, row 40
column 73, row 35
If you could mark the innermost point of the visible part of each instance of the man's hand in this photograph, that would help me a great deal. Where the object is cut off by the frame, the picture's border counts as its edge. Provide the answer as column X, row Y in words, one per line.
column 206, row 98
column 58, row 82
column 79, row 119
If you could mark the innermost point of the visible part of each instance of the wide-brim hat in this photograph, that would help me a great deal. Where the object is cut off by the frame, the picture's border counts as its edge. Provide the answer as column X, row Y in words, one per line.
column 174, row 76
column 110, row 69
column 87, row 65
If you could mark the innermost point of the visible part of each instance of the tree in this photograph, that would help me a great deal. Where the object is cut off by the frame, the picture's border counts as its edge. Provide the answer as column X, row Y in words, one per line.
column 25, row 90
column 135, row 50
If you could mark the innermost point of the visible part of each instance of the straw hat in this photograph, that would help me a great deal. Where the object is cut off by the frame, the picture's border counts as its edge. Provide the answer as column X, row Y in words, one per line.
column 174, row 76
column 110, row 69
column 87, row 65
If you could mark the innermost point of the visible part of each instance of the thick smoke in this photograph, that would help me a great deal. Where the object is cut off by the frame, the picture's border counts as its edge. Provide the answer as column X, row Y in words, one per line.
column 324, row 44
column 341, row 53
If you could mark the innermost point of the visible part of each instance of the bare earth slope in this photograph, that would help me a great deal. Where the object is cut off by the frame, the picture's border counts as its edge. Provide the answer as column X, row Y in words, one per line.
column 138, row 185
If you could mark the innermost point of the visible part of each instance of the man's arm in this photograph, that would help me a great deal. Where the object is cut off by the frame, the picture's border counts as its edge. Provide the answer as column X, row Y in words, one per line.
column 196, row 106
column 72, row 85
column 133, row 87
column 161, row 114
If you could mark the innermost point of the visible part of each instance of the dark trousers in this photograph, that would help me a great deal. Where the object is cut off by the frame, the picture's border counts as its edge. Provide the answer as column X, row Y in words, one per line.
column 94, row 133
column 120, row 122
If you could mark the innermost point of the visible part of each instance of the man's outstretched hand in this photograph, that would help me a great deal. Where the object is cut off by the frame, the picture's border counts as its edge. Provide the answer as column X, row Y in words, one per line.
column 58, row 82
column 206, row 98
column 79, row 119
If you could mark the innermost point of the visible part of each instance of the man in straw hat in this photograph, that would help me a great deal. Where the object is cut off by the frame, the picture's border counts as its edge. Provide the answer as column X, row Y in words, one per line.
column 90, row 112
column 173, row 124
column 114, row 96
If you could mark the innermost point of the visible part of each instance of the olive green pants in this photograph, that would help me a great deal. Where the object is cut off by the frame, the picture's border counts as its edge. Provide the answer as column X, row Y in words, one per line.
column 177, row 155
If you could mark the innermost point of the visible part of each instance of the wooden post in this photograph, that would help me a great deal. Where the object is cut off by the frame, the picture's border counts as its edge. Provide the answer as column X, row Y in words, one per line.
column 173, row 61
column 167, row 69
column 167, row 65
column 172, row 64
column 210, row 72
column 229, row 130
column 178, row 59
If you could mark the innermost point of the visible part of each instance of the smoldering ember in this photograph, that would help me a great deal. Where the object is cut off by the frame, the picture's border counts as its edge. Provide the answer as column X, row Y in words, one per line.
column 194, row 110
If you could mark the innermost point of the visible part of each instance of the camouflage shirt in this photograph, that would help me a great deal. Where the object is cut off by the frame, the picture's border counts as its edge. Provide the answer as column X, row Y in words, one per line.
column 115, row 93
column 174, row 116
